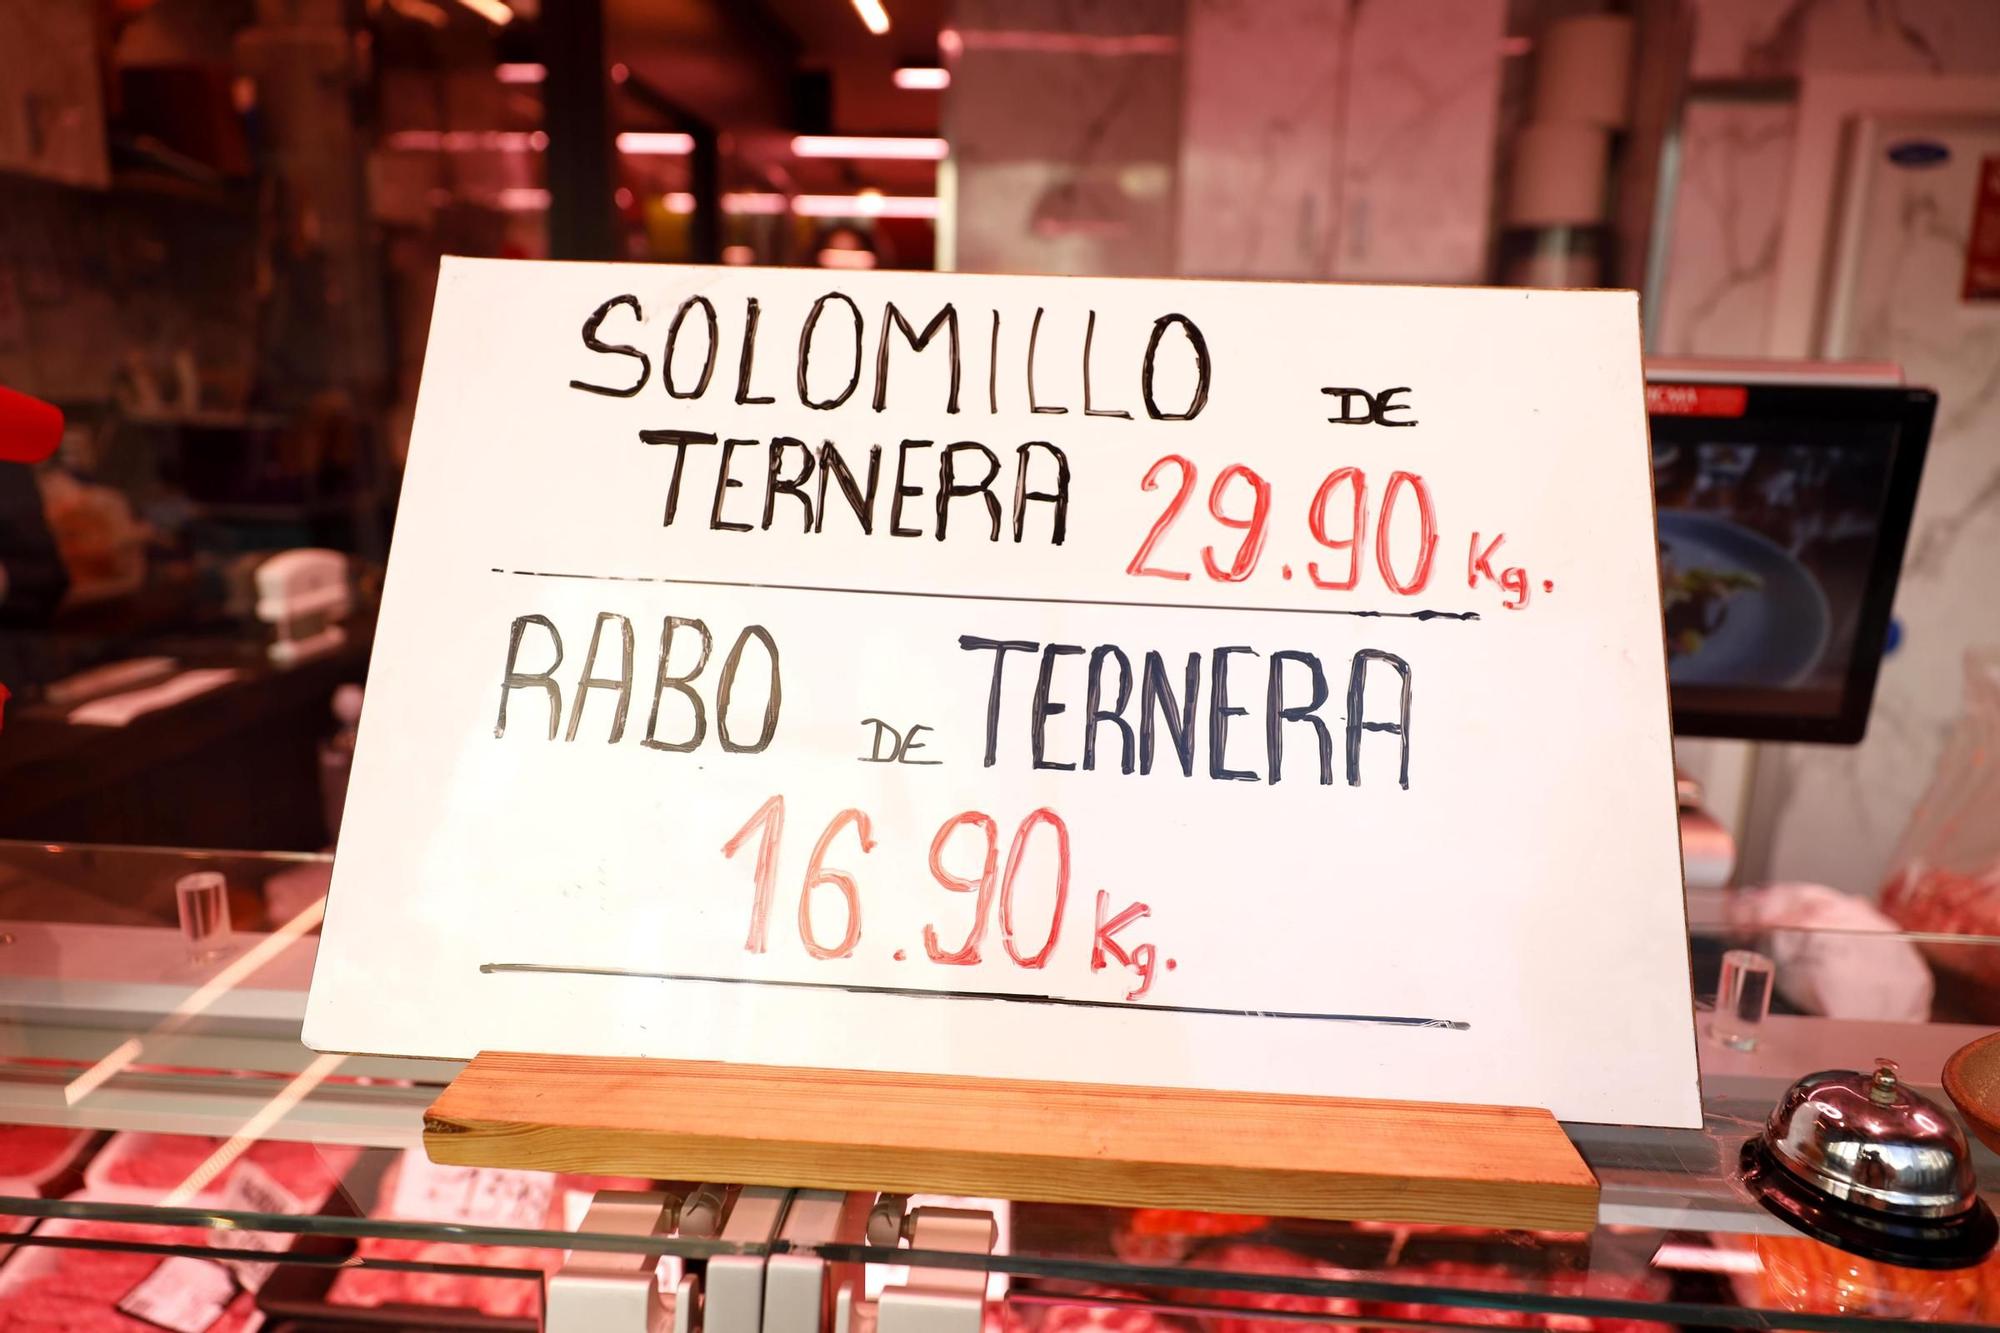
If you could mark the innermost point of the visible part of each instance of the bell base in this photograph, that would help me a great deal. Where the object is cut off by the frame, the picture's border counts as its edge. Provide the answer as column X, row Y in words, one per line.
column 1911, row 1242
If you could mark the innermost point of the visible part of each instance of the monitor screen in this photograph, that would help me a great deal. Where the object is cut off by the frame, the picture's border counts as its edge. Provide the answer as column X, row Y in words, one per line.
column 1783, row 511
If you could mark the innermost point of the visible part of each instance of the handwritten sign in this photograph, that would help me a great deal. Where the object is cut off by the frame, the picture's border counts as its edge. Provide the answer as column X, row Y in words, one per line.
column 1243, row 686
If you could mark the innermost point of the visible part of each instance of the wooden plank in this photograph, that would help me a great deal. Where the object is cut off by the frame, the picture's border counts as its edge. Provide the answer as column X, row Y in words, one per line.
column 1051, row 1142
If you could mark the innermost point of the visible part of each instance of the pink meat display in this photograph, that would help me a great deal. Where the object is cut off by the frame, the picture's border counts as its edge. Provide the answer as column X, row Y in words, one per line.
column 1403, row 1263
column 29, row 1152
column 1497, row 1277
column 1083, row 1317
column 1246, row 1257
column 500, row 1296
column 32, row 1159
column 161, row 1162
column 46, row 1290
column 1947, row 903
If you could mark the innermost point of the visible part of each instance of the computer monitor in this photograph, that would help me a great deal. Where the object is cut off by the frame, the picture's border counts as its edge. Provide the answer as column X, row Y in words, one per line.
column 1784, row 507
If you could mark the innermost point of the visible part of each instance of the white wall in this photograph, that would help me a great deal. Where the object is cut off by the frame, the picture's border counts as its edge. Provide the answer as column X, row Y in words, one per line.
column 1834, row 814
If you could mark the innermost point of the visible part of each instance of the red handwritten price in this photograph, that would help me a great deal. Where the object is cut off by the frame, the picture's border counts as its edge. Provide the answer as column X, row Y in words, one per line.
column 1339, row 519
column 991, row 884
column 1254, row 527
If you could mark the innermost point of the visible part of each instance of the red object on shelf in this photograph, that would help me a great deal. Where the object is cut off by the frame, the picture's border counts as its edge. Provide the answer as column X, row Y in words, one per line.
column 1696, row 400
column 30, row 429
column 1982, row 252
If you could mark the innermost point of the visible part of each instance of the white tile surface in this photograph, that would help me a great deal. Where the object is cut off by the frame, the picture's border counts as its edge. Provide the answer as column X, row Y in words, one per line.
column 1260, row 151
column 1344, row 140
column 1842, row 811
column 1773, row 38
column 1723, row 247
column 1417, row 176
column 1064, row 123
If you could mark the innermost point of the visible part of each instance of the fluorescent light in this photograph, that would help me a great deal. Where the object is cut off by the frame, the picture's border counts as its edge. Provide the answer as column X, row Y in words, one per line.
column 521, row 71
column 737, row 203
column 1701, row 1259
column 89, row 1080
column 466, row 141
column 246, row 963
column 491, row 10
column 199, row 999
column 651, row 143
column 954, row 42
column 882, row 148
column 865, row 206
column 253, row 1130
column 753, row 203
column 523, row 199
column 923, row 78
column 873, row 16
column 423, row 11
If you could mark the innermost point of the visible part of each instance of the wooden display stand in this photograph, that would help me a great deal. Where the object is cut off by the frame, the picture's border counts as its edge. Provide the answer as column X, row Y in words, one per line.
column 1050, row 1142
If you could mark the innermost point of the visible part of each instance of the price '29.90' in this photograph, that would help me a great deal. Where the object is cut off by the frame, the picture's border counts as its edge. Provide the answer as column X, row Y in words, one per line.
column 1321, row 521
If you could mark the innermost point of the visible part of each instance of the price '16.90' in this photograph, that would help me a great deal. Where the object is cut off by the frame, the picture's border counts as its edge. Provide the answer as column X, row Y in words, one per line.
column 991, row 884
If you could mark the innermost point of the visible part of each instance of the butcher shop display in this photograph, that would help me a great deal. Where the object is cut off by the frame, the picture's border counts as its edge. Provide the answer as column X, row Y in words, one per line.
column 1419, row 1256
column 414, row 1189
column 1801, row 1274
column 31, row 1154
column 45, row 1289
column 145, row 1167
column 38, row 1162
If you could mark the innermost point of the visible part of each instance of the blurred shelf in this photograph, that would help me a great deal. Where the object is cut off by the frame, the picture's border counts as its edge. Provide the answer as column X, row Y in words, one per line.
column 200, row 419
column 268, row 511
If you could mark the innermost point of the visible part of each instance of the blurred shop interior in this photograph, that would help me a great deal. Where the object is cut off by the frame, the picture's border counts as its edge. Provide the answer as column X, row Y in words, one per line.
column 221, row 220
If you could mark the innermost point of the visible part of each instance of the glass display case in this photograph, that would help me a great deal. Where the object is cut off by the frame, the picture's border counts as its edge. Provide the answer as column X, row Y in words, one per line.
column 221, row 226
column 175, row 1158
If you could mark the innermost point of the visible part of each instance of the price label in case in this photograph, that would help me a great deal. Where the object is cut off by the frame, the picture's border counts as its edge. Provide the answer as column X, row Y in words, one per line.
column 471, row 1195
column 183, row 1294
column 251, row 1189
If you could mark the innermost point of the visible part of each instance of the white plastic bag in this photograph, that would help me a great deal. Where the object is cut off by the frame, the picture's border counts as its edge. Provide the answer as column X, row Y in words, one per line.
column 1837, row 955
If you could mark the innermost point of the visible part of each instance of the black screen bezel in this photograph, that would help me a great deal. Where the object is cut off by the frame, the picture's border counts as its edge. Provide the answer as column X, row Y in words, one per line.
column 1910, row 412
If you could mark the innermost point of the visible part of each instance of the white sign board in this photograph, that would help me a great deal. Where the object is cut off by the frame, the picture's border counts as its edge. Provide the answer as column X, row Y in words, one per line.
column 1243, row 686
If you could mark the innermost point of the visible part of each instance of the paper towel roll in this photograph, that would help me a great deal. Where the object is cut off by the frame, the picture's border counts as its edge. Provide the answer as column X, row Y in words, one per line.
column 1555, row 266
column 1583, row 71
column 1558, row 175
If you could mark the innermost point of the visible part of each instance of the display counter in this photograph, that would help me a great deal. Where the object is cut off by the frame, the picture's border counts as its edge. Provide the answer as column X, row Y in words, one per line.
column 164, row 1112
column 231, row 764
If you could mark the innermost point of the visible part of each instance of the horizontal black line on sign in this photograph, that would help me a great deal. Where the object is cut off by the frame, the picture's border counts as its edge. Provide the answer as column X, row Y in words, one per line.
column 1005, row 997
column 994, row 597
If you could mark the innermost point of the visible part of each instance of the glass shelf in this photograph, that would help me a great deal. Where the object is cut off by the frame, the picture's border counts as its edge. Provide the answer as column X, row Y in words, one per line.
column 163, row 1107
